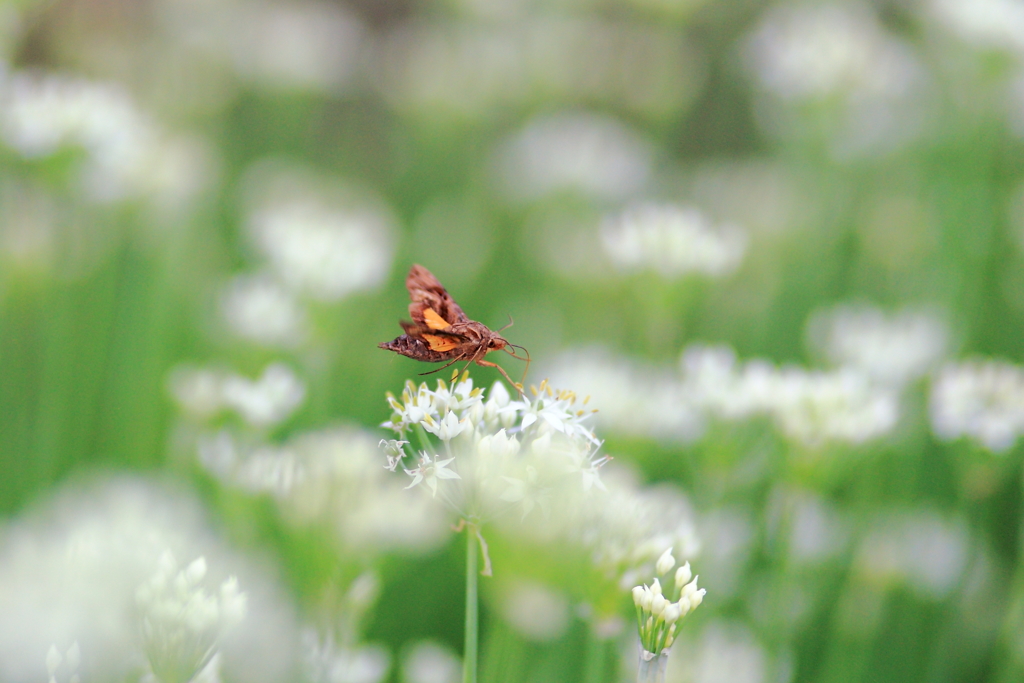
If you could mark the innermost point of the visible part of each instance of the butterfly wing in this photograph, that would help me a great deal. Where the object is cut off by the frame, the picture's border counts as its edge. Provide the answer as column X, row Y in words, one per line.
column 430, row 304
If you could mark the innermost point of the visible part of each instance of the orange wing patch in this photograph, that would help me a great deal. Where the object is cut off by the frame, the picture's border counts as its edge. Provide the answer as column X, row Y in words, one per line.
column 440, row 343
column 434, row 321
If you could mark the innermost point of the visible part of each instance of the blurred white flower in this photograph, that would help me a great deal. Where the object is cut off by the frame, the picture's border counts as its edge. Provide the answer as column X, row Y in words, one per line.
column 635, row 399
column 69, row 571
column 986, row 23
column 319, row 236
column 980, row 399
column 811, row 407
column 429, row 662
column 815, row 407
column 890, row 349
column 812, row 528
column 671, row 240
column 268, row 400
column 837, row 56
column 723, row 653
column 920, row 548
column 265, row 402
column 589, row 153
column 260, row 310
column 64, row 667
column 327, row 662
column 293, row 45
column 125, row 153
column 536, row 611
column 326, row 251
column 183, row 624
column 334, row 477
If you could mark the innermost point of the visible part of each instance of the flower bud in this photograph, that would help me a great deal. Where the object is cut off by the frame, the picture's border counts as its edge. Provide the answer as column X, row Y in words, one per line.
column 659, row 604
column 671, row 613
column 697, row 597
column 656, row 587
column 638, row 595
column 665, row 562
column 690, row 588
column 648, row 599
column 683, row 574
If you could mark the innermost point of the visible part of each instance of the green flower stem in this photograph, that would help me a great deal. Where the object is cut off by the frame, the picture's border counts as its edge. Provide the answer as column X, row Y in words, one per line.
column 469, row 656
column 425, row 444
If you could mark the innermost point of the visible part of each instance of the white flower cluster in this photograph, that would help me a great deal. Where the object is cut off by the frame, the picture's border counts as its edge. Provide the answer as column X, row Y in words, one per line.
column 986, row 23
column 326, row 251
column 126, row 155
column 889, row 349
column 808, row 406
column 264, row 402
column 983, row 400
column 495, row 454
column 582, row 152
column 671, row 240
column 58, row 664
column 182, row 624
column 657, row 615
column 327, row 662
column 921, row 548
column 331, row 477
column 317, row 238
column 840, row 56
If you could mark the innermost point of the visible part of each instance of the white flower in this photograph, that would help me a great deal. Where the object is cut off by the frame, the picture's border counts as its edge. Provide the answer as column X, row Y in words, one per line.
column 182, row 624
column 327, row 662
column 518, row 452
column 257, row 308
column 657, row 614
column 262, row 403
column 331, row 477
column 319, row 237
column 429, row 662
column 393, row 451
column 987, row 23
column 890, row 349
column 417, row 404
column 268, row 400
column 69, row 572
column 671, row 240
column 665, row 563
column 576, row 151
column 836, row 62
column 979, row 399
column 447, row 428
column 430, row 471
column 125, row 154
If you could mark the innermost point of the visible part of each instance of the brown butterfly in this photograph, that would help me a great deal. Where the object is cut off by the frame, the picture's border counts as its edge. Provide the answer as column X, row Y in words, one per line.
column 440, row 331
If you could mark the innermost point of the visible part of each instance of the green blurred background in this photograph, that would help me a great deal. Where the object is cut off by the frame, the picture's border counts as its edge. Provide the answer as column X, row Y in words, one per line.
column 865, row 155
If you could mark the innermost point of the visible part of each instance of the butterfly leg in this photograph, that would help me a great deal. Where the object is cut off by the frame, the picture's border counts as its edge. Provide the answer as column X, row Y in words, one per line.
column 453, row 360
column 489, row 364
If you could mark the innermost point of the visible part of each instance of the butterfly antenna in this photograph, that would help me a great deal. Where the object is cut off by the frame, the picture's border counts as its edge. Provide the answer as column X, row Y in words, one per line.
column 527, row 359
column 510, row 323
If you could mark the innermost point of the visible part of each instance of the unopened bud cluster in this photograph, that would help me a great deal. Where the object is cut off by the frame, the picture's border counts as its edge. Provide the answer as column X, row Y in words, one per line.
column 657, row 613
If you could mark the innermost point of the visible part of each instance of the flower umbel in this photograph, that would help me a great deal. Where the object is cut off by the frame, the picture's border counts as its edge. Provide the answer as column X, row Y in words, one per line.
column 658, row 614
column 495, row 454
column 181, row 623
